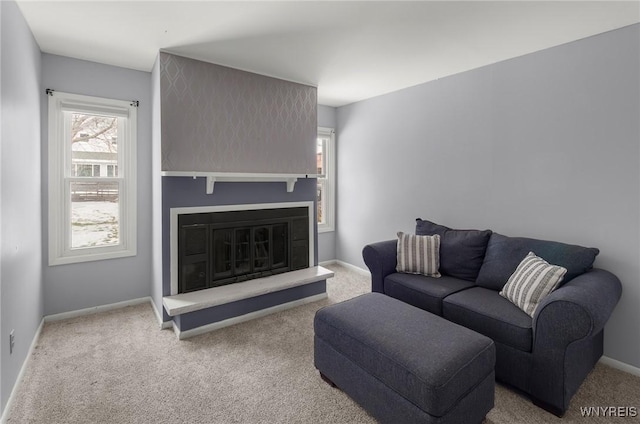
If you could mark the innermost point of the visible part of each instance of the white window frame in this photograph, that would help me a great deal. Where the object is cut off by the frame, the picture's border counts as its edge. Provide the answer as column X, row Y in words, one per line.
column 59, row 201
column 328, row 181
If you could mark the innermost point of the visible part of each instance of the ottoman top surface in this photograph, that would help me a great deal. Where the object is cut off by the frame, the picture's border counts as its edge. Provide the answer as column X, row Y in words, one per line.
column 427, row 359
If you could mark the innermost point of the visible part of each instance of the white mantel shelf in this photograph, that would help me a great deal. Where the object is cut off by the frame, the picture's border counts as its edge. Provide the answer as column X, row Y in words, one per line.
column 201, row 299
column 213, row 177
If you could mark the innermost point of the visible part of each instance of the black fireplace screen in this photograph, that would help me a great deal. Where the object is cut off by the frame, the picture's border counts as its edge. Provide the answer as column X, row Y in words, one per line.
column 219, row 248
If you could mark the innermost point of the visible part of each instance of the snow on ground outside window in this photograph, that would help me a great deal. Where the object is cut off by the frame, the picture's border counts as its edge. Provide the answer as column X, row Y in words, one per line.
column 94, row 223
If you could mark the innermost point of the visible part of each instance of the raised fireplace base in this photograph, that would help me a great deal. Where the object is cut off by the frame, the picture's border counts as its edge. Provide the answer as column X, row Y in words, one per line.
column 206, row 310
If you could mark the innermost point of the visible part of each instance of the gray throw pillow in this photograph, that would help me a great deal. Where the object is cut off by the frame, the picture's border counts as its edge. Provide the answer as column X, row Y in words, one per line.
column 532, row 281
column 504, row 254
column 418, row 254
column 461, row 251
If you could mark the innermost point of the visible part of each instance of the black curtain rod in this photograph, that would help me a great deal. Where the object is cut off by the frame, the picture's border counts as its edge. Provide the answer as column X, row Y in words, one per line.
column 134, row 103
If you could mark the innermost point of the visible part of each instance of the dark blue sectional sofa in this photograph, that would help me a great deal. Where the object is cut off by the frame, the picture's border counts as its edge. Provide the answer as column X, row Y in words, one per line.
column 547, row 356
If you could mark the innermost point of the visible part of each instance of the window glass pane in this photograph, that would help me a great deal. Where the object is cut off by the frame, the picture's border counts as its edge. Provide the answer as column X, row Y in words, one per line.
column 83, row 170
column 95, row 215
column 320, row 156
column 94, row 140
column 325, row 197
column 320, row 202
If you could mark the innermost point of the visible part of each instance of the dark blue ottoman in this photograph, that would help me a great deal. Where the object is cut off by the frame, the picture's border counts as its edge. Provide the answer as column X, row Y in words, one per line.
column 403, row 364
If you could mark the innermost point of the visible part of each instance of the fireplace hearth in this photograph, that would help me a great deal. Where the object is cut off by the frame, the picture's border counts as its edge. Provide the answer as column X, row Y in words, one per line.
column 220, row 248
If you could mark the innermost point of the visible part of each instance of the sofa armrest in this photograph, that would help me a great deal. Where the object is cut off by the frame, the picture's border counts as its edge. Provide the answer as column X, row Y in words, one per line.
column 381, row 259
column 579, row 308
column 568, row 336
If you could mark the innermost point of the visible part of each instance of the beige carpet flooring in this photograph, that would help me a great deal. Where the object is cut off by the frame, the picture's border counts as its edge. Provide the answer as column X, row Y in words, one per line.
column 118, row 367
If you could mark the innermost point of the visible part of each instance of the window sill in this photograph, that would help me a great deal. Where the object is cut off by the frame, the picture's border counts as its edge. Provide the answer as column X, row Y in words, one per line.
column 325, row 229
column 89, row 257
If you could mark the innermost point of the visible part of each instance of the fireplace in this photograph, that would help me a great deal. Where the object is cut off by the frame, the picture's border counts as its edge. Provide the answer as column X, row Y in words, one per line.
column 217, row 246
column 203, row 291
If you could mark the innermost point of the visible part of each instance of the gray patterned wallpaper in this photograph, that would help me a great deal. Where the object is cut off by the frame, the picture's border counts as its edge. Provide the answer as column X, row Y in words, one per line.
column 219, row 119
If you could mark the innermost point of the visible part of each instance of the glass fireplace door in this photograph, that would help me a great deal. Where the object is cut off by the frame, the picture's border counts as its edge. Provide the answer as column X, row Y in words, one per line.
column 222, row 263
column 261, row 249
column 220, row 248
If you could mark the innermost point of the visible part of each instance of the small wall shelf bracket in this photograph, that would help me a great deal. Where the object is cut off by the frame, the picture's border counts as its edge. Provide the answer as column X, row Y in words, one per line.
column 211, row 180
column 291, row 184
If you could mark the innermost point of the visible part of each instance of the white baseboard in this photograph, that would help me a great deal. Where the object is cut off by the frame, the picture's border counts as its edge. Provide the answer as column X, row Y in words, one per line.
column 613, row 363
column 96, row 309
column 23, row 369
column 356, row 269
column 247, row 317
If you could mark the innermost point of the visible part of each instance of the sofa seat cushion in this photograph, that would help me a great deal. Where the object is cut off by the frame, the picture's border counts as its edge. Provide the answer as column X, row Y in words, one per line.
column 421, row 291
column 485, row 311
column 504, row 254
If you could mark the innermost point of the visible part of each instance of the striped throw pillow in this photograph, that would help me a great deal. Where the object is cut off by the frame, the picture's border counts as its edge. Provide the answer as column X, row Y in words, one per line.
column 532, row 280
column 418, row 254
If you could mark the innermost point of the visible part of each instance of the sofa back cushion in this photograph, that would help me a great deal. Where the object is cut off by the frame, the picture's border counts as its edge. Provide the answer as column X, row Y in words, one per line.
column 461, row 251
column 504, row 254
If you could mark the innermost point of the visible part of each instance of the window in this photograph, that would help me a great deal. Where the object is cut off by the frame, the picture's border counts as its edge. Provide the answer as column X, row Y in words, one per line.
column 85, row 170
column 92, row 181
column 326, row 179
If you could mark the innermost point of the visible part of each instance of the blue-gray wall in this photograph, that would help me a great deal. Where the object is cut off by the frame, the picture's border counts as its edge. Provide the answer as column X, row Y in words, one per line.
column 88, row 284
column 545, row 145
column 20, row 205
column 327, row 240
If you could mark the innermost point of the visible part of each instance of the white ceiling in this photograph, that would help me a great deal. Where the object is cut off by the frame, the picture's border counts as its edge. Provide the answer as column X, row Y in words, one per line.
column 349, row 50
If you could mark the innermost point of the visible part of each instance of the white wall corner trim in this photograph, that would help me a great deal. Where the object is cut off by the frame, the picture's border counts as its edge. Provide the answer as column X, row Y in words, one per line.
column 23, row 369
column 163, row 324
